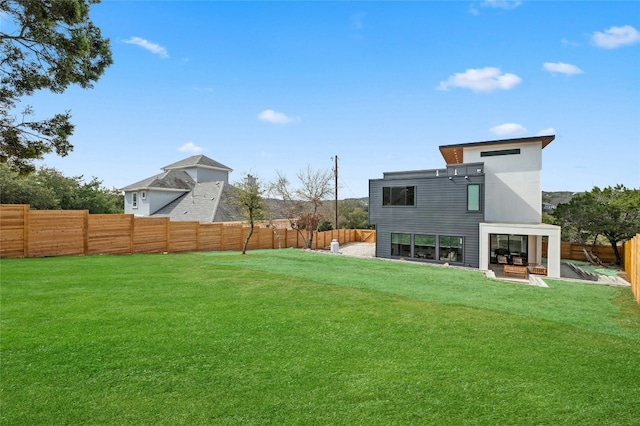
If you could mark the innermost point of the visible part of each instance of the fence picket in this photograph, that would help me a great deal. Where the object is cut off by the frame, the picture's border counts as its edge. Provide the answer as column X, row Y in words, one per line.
column 40, row 233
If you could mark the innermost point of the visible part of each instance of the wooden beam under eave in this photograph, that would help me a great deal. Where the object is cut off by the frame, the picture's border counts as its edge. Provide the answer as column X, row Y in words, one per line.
column 452, row 155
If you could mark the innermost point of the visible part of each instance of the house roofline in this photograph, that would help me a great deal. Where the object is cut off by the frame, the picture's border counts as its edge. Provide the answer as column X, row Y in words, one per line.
column 198, row 166
column 153, row 188
column 453, row 154
column 197, row 161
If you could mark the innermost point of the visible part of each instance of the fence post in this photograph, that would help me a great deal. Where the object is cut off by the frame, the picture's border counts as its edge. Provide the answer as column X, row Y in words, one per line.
column 25, row 229
column 85, row 232
column 168, row 234
column 198, row 237
column 131, row 233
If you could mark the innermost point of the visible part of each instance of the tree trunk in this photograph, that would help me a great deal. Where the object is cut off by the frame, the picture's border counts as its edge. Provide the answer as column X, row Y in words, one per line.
column 277, row 233
column 310, row 241
column 594, row 257
column 304, row 238
column 588, row 255
column 616, row 253
column 246, row 241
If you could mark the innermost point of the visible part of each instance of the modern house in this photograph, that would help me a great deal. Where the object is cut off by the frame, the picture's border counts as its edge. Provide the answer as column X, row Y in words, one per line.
column 194, row 189
column 486, row 205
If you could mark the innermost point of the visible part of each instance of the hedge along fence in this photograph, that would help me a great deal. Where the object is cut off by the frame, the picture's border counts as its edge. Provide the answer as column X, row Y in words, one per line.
column 41, row 233
column 632, row 264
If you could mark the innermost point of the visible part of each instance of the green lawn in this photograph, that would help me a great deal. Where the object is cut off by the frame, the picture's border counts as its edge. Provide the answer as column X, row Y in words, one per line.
column 291, row 337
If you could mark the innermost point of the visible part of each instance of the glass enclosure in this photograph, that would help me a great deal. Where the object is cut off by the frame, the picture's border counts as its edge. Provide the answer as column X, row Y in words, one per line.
column 510, row 246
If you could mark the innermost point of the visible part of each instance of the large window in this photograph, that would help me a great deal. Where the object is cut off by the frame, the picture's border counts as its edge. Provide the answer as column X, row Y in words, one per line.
column 401, row 245
column 451, row 249
column 398, row 195
column 424, row 246
column 134, row 200
column 509, row 246
column 473, row 198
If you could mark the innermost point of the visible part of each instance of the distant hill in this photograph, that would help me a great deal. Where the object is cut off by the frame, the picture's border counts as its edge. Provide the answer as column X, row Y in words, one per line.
column 558, row 197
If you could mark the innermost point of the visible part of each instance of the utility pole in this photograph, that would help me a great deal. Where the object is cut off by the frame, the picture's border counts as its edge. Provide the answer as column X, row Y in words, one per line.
column 335, row 175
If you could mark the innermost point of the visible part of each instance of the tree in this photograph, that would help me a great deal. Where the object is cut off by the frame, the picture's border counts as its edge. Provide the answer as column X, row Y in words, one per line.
column 613, row 212
column 354, row 214
column 48, row 189
column 24, row 189
column 249, row 198
column 47, row 45
column 619, row 219
column 94, row 197
column 303, row 202
column 577, row 223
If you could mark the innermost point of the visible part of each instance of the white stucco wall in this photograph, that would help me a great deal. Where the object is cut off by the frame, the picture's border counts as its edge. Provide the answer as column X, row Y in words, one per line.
column 512, row 182
column 143, row 205
column 204, row 174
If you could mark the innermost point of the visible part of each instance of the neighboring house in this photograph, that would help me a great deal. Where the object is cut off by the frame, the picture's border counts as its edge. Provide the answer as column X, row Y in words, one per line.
column 194, row 189
column 486, row 202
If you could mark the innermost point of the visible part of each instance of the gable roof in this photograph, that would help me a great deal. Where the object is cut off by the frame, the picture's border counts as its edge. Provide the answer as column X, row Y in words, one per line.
column 453, row 154
column 172, row 180
column 197, row 161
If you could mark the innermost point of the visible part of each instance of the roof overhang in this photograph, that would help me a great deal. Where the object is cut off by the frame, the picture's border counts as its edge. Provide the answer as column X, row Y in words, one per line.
column 154, row 188
column 454, row 154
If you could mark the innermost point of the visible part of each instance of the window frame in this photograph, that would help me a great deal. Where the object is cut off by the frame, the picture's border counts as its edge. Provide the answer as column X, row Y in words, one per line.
column 419, row 249
column 479, row 198
column 399, row 199
column 403, row 247
column 134, row 200
column 498, row 152
column 459, row 250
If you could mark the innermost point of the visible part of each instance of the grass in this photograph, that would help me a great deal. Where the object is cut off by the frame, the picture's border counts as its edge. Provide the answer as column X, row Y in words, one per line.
column 291, row 337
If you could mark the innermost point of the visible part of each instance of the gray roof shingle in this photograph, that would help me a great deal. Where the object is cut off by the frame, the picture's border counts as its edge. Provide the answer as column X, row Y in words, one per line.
column 201, row 204
column 172, row 179
column 197, row 160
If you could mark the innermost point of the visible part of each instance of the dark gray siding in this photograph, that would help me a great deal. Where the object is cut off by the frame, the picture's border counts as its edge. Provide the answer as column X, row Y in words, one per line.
column 440, row 209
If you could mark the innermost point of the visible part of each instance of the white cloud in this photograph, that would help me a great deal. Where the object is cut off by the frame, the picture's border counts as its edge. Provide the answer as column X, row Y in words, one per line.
column 562, row 68
column 357, row 20
column 508, row 129
column 616, row 37
column 547, row 132
column 191, row 148
column 203, row 89
column 485, row 79
column 148, row 45
column 501, row 4
column 566, row 42
column 271, row 116
column 495, row 4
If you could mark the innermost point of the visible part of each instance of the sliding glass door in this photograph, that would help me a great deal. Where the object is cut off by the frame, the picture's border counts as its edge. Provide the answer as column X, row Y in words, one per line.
column 508, row 245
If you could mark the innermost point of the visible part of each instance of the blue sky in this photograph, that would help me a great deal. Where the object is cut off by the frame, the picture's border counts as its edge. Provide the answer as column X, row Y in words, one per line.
column 276, row 86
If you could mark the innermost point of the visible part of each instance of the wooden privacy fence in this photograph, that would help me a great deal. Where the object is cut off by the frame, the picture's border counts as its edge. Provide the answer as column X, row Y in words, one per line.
column 632, row 264
column 573, row 251
column 41, row 233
